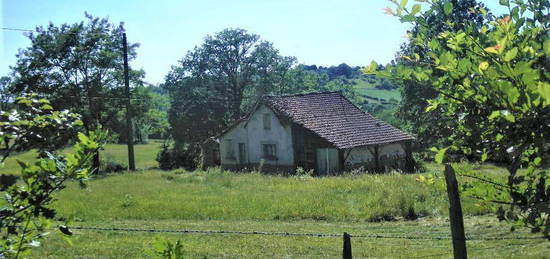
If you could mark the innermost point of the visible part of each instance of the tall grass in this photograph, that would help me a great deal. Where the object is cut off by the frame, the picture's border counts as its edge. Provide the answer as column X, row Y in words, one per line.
column 217, row 194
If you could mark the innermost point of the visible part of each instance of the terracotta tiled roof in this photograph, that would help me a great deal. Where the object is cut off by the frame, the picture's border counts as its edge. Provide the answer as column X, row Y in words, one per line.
column 331, row 116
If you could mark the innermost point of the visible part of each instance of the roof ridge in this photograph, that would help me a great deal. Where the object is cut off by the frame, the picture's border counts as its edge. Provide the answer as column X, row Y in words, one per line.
column 304, row 94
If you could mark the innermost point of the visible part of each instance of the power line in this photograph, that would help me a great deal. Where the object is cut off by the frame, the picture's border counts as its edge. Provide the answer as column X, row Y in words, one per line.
column 16, row 29
column 71, row 33
column 104, row 97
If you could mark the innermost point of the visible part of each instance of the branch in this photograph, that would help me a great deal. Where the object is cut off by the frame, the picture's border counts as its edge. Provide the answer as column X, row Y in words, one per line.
column 485, row 180
column 493, row 201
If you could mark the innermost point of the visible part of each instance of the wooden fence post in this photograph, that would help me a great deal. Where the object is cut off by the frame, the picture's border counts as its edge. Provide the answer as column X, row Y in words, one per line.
column 455, row 214
column 346, row 252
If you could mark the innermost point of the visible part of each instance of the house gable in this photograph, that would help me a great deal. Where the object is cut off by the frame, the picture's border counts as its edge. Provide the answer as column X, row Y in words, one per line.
column 261, row 134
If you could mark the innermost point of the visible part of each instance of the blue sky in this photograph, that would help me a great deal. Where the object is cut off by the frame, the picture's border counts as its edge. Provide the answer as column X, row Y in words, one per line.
column 322, row 32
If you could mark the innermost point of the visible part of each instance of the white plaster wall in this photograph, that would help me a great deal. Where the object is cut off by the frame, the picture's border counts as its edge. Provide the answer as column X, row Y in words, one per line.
column 359, row 155
column 254, row 135
column 394, row 149
column 363, row 155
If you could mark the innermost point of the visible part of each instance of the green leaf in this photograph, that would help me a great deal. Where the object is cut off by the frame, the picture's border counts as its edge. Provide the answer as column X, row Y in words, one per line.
column 504, row 2
column 544, row 91
column 483, row 156
column 83, row 138
column 448, row 8
column 511, row 54
column 499, row 137
column 415, row 9
column 432, row 105
column 510, row 117
column 537, row 161
column 46, row 107
column 403, row 3
column 492, row 50
column 512, row 94
column 546, row 47
column 407, row 18
column 370, row 69
column 483, row 66
column 494, row 115
column 440, row 155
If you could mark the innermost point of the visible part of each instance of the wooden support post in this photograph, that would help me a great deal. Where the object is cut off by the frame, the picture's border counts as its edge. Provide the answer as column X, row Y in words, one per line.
column 346, row 252
column 377, row 158
column 455, row 214
column 409, row 161
column 341, row 160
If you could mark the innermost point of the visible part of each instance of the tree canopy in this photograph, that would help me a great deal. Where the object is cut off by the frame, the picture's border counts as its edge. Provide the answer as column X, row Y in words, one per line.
column 429, row 126
column 78, row 67
column 219, row 81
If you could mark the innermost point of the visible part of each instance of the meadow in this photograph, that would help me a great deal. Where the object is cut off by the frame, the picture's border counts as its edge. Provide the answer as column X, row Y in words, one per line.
column 365, row 88
column 398, row 216
column 145, row 155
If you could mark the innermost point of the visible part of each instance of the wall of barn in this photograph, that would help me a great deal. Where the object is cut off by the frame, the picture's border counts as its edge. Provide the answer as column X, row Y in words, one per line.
column 306, row 144
column 391, row 156
column 253, row 135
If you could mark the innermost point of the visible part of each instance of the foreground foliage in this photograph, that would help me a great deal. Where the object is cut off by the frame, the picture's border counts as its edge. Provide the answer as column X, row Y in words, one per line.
column 493, row 81
column 26, row 211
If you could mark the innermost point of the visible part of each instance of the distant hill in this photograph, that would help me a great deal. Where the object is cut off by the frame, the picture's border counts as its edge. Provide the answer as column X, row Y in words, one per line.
column 373, row 88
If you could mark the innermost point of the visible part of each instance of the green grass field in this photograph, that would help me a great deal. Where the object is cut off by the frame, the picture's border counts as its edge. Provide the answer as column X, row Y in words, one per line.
column 117, row 244
column 145, row 155
column 215, row 194
column 217, row 200
column 365, row 88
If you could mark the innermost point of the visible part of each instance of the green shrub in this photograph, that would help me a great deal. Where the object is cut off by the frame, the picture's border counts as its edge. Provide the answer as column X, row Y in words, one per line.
column 110, row 165
column 173, row 157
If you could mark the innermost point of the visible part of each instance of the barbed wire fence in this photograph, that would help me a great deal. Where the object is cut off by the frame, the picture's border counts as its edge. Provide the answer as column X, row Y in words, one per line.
column 424, row 236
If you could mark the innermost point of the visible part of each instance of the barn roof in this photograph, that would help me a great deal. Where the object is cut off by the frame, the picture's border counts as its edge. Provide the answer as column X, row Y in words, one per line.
column 334, row 118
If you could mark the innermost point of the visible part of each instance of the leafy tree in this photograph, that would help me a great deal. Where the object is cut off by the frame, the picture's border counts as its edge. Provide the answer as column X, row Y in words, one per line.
column 157, row 115
column 141, row 104
column 218, row 82
column 493, row 81
column 429, row 126
column 25, row 213
column 78, row 67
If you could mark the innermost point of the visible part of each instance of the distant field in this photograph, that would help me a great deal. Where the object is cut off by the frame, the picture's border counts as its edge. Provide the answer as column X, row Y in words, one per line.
column 145, row 155
column 368, row 89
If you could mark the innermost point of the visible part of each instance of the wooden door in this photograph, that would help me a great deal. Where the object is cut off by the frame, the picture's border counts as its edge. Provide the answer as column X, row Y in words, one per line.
column 327, row 161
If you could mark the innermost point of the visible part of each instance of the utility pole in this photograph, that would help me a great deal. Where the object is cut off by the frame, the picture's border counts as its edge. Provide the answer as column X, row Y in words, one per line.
column 129, row 126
